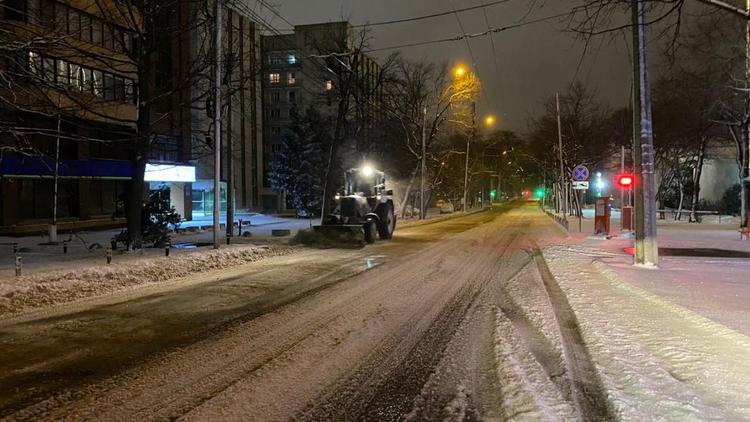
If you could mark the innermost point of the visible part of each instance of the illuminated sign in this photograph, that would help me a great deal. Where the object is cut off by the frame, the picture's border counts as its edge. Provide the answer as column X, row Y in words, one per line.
column 169, row 173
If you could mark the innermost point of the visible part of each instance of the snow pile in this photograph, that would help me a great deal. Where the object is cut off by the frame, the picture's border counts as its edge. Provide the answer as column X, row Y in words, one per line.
column 19, row 294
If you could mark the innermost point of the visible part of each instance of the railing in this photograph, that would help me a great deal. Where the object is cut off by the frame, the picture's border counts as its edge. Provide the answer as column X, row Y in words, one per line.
column 559, row 220
column 687, row 212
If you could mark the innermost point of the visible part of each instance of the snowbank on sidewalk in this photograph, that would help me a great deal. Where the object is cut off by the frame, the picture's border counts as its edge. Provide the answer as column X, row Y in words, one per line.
column 19, row 294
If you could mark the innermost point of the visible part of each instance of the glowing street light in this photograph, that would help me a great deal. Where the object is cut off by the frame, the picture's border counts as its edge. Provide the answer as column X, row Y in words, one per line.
column 489, row 121
column 460, row 71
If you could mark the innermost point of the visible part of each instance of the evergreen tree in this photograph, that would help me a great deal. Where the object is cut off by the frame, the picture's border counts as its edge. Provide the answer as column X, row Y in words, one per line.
column 298, row 167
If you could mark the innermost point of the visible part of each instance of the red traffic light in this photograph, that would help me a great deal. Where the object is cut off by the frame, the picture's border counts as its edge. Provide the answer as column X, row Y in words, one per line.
column 625, row 180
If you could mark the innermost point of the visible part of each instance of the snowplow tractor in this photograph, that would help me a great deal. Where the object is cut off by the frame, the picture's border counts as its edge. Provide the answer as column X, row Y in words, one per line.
column 364, row 209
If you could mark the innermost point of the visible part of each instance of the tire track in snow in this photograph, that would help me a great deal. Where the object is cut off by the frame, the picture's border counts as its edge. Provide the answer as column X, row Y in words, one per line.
column 588, row 392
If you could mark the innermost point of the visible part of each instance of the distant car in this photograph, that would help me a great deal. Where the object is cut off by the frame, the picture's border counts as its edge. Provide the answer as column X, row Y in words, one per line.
column 446, row 207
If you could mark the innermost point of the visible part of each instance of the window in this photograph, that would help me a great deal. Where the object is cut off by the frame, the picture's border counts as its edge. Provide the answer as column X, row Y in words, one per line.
column 74, row 23
column 109, row 87
column 274, row 59
column 275, row 97
column 35, row 63
column 76, row 79
column 87, row 80
column 128, row 40
column 293, row 97
column 275, row 130
column 274, row 78
column 130, row 91
column 119, row 89
column 291, row 59
column 291, row 78
column 62, row 73
column 329, row 85
column 86, row 21
column 46, row 12
column 34, row 10
column 48, row 69
column 61, row 17
column 98, row 83
column 107, row 38
column 96, row 32
column 119, row 43
column 275, row 113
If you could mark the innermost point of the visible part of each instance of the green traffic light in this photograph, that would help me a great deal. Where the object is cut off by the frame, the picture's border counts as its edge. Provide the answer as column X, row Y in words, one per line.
column 493, row 193
column 539, row 193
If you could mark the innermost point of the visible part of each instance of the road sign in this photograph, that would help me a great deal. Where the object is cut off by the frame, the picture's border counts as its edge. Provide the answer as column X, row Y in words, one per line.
column 581, row 173
column 580, row 185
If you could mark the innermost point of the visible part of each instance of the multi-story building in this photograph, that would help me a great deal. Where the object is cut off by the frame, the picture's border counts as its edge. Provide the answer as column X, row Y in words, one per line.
column 297, row 73
column 68, row 109
column 72, row 111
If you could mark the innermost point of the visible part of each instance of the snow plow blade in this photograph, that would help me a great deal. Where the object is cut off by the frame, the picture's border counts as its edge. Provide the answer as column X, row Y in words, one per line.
column 332, row 236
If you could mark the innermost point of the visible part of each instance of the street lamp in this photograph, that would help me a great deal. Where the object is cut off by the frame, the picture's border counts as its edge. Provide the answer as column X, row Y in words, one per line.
column 489, row 121
column 460, row 71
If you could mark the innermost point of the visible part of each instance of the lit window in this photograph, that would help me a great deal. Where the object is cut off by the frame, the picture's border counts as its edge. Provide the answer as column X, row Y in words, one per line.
column 62, row 72
column 291, row 78
column 274, row 78
column 35, row 63
column 329, row 85
column 76, row 76
column 291, row 59
column 98, row 83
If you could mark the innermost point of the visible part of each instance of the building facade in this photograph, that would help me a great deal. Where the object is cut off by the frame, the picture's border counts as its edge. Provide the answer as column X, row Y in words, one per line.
column 297, row 74
column 72, row 112
column 69, row 109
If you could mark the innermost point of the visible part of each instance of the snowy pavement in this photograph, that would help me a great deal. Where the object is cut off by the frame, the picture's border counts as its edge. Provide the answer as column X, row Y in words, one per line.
column 491, row 316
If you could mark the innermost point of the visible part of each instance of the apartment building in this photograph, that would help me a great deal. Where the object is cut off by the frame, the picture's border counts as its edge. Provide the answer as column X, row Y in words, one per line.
column 297, row 73
column 72, row 111
column 69, row 109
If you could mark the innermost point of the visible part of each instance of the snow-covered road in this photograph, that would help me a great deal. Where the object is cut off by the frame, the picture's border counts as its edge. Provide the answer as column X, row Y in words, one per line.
column 462, row 319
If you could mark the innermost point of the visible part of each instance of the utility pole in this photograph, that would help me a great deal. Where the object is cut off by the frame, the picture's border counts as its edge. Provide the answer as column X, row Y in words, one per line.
column 622, row 171
column 53, row 226
column 646, row 248
column 563, row 184
column 422, row 210
column 230, row 152
column 217, row 122
column 468, row 142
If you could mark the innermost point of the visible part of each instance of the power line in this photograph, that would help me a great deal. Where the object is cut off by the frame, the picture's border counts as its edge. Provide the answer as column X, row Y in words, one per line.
column 471, row 53
column 396, row 21
column 469, row 36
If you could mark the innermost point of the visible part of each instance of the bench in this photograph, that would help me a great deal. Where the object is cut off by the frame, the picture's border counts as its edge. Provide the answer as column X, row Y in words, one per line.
column 745, row 231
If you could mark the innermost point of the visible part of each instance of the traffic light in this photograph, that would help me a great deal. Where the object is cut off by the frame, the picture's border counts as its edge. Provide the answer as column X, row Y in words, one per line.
column 493, row 194
column 625, row 180
column 539, row 193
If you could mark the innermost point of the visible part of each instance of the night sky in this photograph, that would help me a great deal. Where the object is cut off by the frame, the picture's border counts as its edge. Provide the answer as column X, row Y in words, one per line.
column 532, row 62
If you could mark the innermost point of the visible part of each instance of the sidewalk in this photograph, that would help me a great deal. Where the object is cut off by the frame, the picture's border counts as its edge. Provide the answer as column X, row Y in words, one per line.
column 702, row 267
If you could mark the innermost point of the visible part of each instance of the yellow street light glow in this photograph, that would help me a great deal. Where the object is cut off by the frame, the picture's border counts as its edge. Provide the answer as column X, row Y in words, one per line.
column 489, row 120
column 459, row 71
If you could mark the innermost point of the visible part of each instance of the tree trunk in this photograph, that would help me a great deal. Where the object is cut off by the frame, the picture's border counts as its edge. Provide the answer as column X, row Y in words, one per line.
column 407, row 193
column 139, row 156
column 330, row 177
column 695, row 218
column 744, row 173
column 678, row 214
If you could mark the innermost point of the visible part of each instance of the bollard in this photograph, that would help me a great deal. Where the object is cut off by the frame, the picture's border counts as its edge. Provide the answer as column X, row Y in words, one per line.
column 240, row 228
column 65, row 247
column 109, row 255
column 19, row 264
column 166, row 249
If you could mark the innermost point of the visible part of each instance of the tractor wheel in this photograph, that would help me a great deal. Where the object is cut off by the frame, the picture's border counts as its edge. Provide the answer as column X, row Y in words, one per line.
column 387, row 221
column 370, row 232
